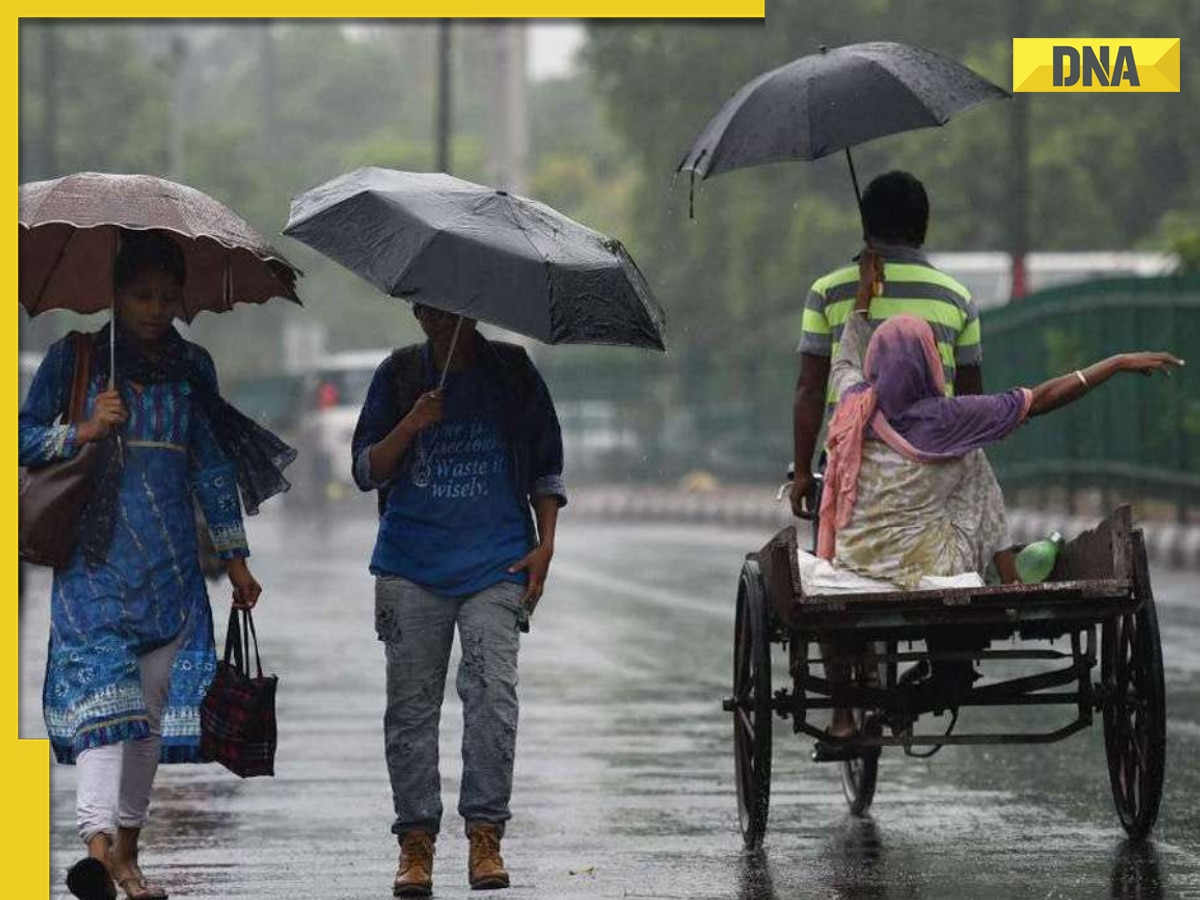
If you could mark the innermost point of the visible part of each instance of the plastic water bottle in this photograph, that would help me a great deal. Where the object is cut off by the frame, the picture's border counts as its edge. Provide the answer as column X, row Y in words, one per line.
column 1036, row 561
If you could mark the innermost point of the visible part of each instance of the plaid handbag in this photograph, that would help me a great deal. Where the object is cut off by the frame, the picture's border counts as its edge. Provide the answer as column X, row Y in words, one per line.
column 237, row 716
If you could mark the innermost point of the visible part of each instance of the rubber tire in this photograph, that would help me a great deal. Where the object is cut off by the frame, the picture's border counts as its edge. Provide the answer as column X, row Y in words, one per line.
column 752, row 719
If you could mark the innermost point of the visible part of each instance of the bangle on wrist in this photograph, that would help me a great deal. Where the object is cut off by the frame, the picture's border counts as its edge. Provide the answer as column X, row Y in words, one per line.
column 1082, row 379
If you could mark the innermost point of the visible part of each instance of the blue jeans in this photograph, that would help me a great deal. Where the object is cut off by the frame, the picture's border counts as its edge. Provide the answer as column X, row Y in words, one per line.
column 417, row 630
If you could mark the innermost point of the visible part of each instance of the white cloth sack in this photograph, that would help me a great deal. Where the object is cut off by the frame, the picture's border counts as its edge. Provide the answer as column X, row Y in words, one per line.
column 820, row 576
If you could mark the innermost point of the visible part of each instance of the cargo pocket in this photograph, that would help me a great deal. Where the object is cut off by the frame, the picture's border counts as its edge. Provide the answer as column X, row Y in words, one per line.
column 387, row 617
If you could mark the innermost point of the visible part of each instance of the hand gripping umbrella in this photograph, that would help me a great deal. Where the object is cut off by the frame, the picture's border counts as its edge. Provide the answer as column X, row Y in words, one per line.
column 481, row 253
column 831, row 100
column 70, row 233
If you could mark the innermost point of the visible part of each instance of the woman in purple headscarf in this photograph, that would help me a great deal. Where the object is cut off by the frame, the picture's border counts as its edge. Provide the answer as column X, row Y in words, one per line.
column 908, row 491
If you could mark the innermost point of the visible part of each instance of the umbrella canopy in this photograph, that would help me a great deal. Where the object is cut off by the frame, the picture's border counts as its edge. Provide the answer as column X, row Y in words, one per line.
column 832, row 100
column 70, row 232
column 481, row 253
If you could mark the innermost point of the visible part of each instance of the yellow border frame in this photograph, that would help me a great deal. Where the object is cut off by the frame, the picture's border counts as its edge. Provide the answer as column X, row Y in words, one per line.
column 26, row 763
column 26, row 828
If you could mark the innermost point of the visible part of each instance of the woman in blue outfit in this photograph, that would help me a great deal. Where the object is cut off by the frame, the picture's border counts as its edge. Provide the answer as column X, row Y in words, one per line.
column 131, row 637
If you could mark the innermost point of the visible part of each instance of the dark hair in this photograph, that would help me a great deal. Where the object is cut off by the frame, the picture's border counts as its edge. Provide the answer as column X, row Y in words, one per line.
column 896, row 209
column 142, row 250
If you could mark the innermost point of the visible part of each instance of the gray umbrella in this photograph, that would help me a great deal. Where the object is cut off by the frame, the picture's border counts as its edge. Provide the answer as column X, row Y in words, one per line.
column 481, row 253
column 829, row 101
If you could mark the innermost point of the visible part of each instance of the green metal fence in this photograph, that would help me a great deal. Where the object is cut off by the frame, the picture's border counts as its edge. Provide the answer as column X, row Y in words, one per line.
column 1136, row 437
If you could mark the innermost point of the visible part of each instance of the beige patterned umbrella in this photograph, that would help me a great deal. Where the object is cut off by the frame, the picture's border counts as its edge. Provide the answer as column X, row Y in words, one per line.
column 70, row 232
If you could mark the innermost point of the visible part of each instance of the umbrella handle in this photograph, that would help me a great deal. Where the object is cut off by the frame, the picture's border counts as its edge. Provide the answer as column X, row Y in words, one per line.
column 450, row 355
column 112, row 344
column 112, row 319
column 857, row 193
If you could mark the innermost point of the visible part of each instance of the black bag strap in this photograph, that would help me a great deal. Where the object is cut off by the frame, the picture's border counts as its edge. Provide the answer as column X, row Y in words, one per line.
column 249, row 633
column 233, row 643
column 238, row 637
column 79, row 378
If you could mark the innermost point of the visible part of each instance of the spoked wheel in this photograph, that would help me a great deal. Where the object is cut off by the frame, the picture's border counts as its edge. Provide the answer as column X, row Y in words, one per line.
column 751, row 706
column 859, row 776
column 1135, row 715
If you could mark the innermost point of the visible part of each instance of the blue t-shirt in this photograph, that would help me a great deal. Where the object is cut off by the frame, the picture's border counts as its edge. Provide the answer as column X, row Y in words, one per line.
column 453, row 522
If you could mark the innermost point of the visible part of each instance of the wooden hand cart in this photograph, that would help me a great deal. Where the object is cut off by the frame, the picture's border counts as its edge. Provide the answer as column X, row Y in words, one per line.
column 1100, row 588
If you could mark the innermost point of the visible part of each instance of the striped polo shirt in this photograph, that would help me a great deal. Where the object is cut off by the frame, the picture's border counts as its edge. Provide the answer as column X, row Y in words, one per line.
column 912, row 286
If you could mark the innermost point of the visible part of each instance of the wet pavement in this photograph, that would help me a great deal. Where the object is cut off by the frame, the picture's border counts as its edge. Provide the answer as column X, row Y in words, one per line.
column 624, row 779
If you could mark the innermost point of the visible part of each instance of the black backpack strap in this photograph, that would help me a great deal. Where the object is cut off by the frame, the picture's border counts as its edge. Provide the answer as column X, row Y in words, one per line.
column 409, row 371
column 518, row 380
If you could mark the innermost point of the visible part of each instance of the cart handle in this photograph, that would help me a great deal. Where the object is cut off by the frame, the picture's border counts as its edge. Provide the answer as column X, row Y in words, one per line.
column 810, row 503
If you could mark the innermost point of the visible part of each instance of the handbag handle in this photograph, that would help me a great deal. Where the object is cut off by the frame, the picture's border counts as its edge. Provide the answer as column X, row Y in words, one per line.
column 238, row 636
column 81, row 375
column 249, row 632
column 233, row 643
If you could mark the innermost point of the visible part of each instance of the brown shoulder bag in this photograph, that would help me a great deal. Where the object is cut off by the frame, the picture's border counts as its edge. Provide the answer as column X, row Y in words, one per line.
column 53, row 496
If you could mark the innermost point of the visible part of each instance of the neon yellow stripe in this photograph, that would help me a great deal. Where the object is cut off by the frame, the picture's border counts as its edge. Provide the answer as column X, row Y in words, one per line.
column 938, row 311
column 898, row 272
column 970, row 335
column 833, row 279
column 946, row 352
column 814, row 323
column 928, row 274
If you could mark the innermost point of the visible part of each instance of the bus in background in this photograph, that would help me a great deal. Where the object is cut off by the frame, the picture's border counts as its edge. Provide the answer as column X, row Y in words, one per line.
column 988, row 274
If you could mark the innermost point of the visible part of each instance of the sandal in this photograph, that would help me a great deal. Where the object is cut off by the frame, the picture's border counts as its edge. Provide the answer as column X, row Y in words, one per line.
column 88, row 879
column 134, row 884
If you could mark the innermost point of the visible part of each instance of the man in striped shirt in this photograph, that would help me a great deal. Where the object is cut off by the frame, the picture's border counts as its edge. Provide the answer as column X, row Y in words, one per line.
column 896, row 215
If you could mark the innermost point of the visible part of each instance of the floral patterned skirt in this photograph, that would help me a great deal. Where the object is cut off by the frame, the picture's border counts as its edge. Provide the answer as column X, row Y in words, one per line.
column 913, row 519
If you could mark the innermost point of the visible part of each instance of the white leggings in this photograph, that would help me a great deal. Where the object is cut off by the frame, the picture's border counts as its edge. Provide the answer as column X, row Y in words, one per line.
column 115, row 779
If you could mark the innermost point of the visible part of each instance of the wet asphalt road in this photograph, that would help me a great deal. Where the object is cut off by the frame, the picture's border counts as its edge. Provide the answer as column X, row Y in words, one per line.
column 624, row 780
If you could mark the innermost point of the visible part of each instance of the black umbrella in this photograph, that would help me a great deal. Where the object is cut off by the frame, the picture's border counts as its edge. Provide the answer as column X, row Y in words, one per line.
column 829, row 101
column 481, row 253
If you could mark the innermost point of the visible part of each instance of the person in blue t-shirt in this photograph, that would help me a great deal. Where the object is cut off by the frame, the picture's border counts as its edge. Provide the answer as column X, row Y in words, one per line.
column 460, row 437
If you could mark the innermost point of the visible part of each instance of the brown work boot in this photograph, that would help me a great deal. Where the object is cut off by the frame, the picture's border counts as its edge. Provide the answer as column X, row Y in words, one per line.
column 485, row 866
column 414, row 878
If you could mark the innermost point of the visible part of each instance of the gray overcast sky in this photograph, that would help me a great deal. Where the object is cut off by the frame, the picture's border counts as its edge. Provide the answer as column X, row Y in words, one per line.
column 552, row 47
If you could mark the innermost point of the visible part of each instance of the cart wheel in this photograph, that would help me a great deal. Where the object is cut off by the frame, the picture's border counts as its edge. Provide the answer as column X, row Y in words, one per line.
column 752, row 706
column 860, row 775
column 1135, row 715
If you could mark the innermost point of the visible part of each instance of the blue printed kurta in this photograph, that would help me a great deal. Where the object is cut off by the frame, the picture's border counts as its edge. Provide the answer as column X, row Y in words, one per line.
column 150, row 587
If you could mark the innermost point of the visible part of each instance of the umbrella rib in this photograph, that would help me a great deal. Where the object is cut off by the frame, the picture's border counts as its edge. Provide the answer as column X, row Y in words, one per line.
column 912, row 91
column 191, row 218
column 393, row 286
column 37, row 302
column 545, row 259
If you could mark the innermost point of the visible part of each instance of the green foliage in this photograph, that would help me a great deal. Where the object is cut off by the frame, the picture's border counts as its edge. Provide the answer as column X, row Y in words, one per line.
column 1181, row 233
column 266, row 115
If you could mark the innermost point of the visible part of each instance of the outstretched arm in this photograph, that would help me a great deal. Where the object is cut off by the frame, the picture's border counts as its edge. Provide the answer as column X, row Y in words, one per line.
column 1058, row 392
